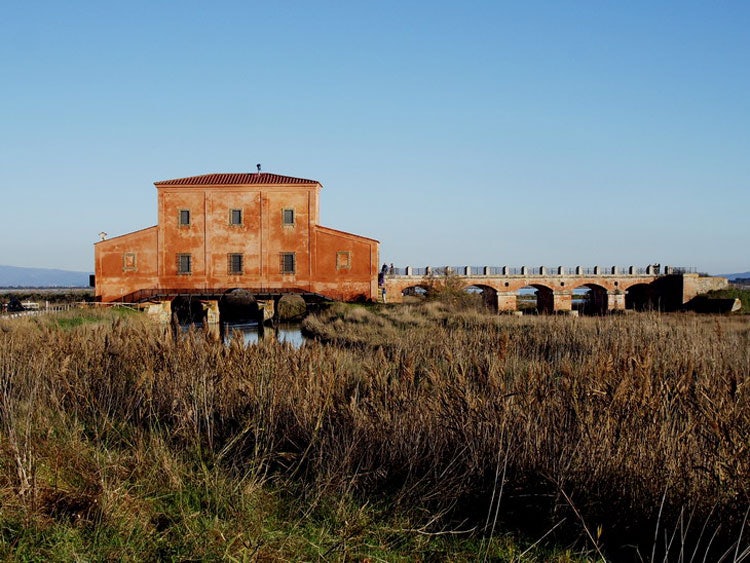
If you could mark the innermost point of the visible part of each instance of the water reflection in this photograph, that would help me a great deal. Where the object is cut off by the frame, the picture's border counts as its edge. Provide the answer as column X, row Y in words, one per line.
column 252, row 333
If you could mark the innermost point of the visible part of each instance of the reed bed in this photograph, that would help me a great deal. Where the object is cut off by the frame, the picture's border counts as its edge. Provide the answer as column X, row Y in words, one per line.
column 618, row 437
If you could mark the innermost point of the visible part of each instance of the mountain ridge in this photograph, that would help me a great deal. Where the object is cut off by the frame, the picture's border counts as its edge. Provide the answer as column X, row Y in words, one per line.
column 17, row 276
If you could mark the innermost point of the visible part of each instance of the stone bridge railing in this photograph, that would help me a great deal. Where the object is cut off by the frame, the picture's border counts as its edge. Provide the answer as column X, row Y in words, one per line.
column 650, row 270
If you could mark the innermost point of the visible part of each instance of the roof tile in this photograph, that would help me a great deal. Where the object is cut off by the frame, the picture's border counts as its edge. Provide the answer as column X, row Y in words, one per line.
column 238, row 178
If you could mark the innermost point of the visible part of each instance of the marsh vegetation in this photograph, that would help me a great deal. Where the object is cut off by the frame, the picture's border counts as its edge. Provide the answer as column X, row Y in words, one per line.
column 413, row 432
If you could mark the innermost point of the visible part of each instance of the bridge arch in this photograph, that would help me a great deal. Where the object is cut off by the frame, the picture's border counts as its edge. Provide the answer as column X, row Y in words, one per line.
column 591, row 299
column 237, row 305
column 641, row 297
column 413, row 293
column 187, row 310
column 487, row 293
column 535, row 298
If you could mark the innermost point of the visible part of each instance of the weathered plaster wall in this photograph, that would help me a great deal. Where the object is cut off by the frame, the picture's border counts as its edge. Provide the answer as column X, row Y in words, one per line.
column 261, row 237
column 693, row 284
column 125, row 264
column 346, row 265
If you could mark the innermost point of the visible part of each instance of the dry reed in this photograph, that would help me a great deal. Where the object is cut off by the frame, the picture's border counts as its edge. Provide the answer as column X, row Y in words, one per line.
column 613, row 426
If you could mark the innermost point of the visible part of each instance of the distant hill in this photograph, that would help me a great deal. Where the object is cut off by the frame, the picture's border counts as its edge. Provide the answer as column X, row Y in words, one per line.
column 731, row 277
column 13, row 276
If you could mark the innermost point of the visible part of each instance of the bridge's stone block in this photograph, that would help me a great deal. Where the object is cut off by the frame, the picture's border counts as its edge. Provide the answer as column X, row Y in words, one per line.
column 211, row 308
column 161, row 311
column 506, row 301
column 615, row 301
column 562, row 301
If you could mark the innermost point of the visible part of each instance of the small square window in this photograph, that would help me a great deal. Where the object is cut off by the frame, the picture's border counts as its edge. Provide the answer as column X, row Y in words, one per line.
column 343, row 260
column 235, row 217
column 287, row 217
column 184, row 219
column 184, row 264
column 129, row 261
column 288, row 263
column 235, row 264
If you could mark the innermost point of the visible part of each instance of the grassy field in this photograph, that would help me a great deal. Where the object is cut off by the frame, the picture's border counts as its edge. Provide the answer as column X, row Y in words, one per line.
column 401, row 433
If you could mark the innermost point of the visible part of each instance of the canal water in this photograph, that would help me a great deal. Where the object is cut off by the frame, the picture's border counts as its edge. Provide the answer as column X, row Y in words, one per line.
column 252, row 333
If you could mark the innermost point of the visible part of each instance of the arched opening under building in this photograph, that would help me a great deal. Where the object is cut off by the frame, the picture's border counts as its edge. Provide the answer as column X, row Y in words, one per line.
column 482, row 296
column 238, row 306
column 590, row 299
column 641, row 297
column 535, row 300
column 413, row 294
column 186, row 310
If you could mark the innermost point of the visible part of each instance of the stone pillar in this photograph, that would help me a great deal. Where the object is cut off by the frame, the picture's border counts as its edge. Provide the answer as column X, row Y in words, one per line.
column 562, row 301
column 267, row 310
column 631, row 270
column 161, row 311
column 524, row 271
column 542, row 271
column 506, row 301
column 467, row 270
column 615, row 300
column 211, row 309
column 486, row 270
column 579, row 270
column 408, row 270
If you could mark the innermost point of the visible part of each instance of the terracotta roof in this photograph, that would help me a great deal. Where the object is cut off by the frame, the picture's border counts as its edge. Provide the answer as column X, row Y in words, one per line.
column 238, row 178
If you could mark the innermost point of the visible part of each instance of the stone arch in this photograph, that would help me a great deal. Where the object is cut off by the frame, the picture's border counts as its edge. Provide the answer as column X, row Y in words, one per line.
column 237, row 305
column 186, row 310
column 487, row 292
column 543, row 302
column 414, row 293
column 641, row 297
column 595, row 302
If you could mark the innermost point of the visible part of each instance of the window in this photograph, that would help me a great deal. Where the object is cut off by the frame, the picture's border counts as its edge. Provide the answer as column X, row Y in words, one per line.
column 235, row 264
column 287, row 217
column 184, row 264
column 235, row 217
column 128, row 262
column 184, row 220
column 288, row 263
column 343, row 260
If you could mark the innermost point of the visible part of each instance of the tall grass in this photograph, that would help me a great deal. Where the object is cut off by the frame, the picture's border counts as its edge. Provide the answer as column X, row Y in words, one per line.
column 608, row 432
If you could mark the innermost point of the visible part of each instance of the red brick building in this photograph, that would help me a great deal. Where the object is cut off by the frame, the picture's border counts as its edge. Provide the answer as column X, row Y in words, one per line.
column 255, row 231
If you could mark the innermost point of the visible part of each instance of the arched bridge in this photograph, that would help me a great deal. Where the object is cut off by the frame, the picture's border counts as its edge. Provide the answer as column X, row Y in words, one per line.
column 556, row 288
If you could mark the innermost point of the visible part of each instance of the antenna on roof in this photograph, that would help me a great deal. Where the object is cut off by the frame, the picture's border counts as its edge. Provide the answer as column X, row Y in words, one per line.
column 258, row 167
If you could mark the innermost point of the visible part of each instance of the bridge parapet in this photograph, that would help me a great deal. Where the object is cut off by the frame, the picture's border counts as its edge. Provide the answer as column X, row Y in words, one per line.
column 543, row 271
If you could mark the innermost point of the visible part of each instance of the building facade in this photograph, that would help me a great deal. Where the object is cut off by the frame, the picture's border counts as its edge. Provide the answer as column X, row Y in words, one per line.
column 253, row 231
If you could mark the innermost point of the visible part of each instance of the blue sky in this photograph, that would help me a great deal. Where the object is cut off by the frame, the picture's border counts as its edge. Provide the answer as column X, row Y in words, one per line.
column 477, row 133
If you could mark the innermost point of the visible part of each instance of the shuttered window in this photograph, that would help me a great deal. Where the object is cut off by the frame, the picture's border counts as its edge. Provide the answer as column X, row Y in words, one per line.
column 184, row 264
column 184, row 218
column 288, row 262
column 235, row 217
column 287, row 217
column 235, row 262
